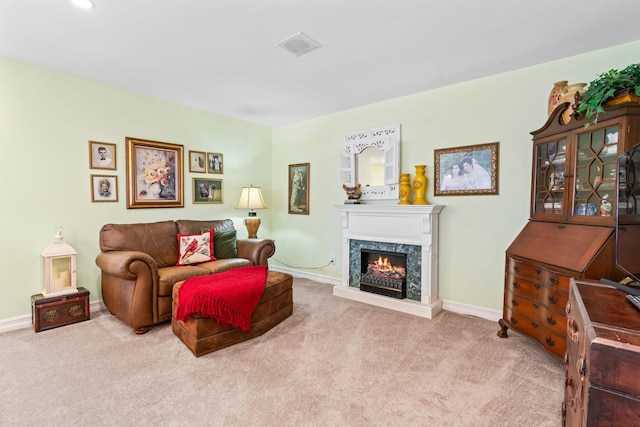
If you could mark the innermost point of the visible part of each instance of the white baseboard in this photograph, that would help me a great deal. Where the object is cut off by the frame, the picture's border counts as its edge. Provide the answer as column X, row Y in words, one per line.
column 21, row 322
column 472, row 310
column 306, row 275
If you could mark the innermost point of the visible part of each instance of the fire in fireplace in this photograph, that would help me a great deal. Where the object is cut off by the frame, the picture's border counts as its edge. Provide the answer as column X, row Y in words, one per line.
column 383, row 273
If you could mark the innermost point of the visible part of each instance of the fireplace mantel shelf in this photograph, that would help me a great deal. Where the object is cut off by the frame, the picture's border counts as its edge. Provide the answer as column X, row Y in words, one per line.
column 394, row 224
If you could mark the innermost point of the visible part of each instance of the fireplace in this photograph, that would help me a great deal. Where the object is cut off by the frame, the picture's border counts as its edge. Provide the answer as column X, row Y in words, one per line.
column 392, row 228
column 383, row 273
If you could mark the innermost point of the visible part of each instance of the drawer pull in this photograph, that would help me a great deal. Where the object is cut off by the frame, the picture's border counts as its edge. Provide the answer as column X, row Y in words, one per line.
column 550, row 342
column 568, row 308
column 535, row 305
column 537, row 285
column 554, row 280
column 516, row 285
column 570, row 322
column 575, row 336
column 517, row 269
column 568, row 382
column 514, row 321
column 538, row 271
column 515, row 302
column 553, row 299
column 534, row 324
column 551, row 320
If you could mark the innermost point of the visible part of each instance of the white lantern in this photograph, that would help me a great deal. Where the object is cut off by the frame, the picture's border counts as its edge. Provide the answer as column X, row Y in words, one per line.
column 59, row 267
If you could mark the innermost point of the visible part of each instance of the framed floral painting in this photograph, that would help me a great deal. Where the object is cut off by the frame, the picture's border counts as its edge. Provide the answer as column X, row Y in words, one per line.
column 154, row 174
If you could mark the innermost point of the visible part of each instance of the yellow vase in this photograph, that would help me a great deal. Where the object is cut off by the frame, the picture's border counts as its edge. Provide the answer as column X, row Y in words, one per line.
column 420, row 185
column 405, row 189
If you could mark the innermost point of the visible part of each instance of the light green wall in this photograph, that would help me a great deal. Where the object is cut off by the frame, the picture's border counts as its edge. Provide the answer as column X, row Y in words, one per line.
column 475, row 231
column 46, row 121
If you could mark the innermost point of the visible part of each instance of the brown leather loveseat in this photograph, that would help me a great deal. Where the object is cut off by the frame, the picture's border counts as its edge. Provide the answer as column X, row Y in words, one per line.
column 138, row 263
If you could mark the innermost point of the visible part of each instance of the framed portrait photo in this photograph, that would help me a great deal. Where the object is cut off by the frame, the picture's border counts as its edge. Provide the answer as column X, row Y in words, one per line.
column 104, row 188
column 102, row 155
column 197, row 161
column 206, row 190
column 154, row 174
column 298, row 196
column 466, row 170
column 214, row 163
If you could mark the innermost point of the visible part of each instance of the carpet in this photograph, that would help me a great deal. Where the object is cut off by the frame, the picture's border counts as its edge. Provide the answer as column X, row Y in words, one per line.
column 334, row 362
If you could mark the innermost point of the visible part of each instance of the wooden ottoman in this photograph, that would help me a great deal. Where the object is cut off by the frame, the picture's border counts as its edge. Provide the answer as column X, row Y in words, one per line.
column 203, row 335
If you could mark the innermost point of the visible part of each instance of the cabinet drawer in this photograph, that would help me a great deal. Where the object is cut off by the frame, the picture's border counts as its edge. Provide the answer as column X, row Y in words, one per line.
column 538, row 274
column 552, row 298
column 538, row 313
column 523, row 269
column 553, row 342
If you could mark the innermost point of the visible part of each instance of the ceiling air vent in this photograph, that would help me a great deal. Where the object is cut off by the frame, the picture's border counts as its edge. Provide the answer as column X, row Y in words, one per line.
column 299, row 44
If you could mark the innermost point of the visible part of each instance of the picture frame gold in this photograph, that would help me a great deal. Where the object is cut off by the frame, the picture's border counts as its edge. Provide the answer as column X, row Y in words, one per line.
column 214, row 163
column 298, row 195
column 155, row 177
column 104, row 188
column 197, row 161
column 102, row 155
column 466, row 170
column 208, row 191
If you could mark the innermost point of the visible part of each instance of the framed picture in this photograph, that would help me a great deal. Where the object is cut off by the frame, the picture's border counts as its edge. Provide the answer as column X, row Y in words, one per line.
column 104, row 188
column 471, row 169
column 206, row 190
column 214, row 162
column 197, row 161
column 298, row 199
column 154, row 174
column 102, row 155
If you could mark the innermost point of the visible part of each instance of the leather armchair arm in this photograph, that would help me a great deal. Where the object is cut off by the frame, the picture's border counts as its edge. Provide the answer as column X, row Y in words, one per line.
column 256, row 250
column 118, row 263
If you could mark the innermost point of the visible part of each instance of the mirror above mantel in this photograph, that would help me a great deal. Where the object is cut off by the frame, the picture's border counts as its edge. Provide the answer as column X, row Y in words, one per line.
column 371, row 157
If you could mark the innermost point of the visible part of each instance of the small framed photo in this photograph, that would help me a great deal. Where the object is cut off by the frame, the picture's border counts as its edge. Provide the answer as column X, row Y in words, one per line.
column 197, row 161
column 214, row 163
column 104, row 188
column 102, row 155
column 298, row 199
column 467, row 170
column 207, row 190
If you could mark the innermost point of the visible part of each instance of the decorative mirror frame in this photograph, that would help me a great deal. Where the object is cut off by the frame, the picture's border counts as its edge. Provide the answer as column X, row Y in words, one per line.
column 385, row 139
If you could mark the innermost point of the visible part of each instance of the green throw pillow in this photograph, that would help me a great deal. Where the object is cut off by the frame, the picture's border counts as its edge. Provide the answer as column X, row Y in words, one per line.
column 224, row 244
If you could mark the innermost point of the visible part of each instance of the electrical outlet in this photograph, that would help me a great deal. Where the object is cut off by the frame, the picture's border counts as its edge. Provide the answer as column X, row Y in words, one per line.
column 332, row 259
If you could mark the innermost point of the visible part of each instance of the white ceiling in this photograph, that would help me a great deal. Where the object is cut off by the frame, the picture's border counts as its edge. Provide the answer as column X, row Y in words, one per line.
column 219, row 55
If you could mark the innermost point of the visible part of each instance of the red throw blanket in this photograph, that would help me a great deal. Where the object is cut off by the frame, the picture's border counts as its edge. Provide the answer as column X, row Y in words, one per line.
column 229, row 297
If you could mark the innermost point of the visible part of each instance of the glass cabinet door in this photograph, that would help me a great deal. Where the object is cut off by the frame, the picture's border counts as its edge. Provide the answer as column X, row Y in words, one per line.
column 549, row 188
column 596, row 173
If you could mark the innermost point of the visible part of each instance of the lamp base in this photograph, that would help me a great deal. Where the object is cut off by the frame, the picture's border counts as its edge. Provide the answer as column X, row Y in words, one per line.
column 252, row 223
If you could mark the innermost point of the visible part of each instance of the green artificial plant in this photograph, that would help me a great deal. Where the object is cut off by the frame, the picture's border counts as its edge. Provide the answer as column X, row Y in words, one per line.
column 603, row 89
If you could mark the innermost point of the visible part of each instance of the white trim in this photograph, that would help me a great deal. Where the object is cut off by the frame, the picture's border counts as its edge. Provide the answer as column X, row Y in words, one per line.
column 472, row 310
column 334, row 281
column 24, row 321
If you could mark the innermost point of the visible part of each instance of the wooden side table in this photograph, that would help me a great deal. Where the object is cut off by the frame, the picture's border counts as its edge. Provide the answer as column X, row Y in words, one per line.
column 61, row 310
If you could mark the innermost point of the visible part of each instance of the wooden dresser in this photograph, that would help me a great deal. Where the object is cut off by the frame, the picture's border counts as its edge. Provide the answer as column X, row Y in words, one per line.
column 602, row 385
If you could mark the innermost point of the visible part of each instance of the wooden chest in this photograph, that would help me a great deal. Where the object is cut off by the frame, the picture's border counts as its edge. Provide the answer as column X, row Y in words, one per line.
column 52, row 312
column 602, row 386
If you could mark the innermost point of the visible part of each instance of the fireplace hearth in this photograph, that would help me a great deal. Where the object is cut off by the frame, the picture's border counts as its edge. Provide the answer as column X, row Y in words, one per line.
column 384, row 273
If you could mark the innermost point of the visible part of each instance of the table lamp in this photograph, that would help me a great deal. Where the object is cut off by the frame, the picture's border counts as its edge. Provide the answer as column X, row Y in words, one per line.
column 251, row 198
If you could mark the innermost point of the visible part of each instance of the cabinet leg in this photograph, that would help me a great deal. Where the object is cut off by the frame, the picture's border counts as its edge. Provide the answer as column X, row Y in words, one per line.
column 502, row 333
column 141, row 331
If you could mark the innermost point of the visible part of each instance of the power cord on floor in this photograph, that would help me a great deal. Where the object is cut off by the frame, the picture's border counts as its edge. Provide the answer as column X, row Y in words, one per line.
column 304, row 268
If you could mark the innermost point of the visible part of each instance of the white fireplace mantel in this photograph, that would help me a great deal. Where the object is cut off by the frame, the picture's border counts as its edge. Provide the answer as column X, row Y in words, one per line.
column 400, row 224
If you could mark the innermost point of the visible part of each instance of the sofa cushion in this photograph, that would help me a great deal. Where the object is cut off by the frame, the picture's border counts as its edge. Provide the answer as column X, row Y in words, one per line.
column 169, row 276
column 224, row 244
column 220, row 265
column 157, row 239
column 195, row 248
column 187, row 226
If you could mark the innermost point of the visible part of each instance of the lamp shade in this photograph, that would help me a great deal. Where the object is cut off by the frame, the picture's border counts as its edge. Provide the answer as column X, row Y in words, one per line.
column 251, row 198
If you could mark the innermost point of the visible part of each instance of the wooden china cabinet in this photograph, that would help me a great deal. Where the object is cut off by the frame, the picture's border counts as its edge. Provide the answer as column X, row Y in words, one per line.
column 571, row 231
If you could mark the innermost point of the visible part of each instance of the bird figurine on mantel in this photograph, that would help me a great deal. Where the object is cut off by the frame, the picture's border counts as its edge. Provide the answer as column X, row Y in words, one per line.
column 353, row 194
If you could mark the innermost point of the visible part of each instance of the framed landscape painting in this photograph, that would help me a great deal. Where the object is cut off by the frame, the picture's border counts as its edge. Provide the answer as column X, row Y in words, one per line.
column 466, row 170
column 154, row 174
